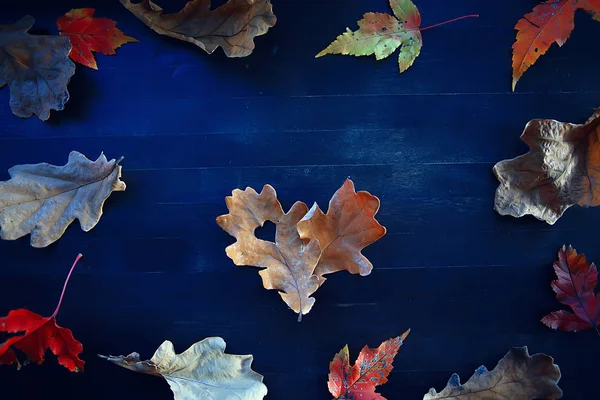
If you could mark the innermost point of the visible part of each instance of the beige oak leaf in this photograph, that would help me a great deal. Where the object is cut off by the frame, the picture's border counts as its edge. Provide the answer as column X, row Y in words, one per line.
column 518, row 376
column 231, row 26
column 562, row 169
column 44, row 199
column 288, row 263
column 202, row 372
column 348, row 227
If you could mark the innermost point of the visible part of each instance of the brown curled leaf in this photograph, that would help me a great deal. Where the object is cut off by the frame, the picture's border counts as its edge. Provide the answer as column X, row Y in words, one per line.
column 232, row 26
column 518, row 376
column 562, row 169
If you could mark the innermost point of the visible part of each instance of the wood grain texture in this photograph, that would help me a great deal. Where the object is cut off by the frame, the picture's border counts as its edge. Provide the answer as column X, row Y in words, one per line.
column 469, row 283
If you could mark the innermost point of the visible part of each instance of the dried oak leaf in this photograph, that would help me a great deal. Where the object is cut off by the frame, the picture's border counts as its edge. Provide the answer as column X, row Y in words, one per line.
column 518, row 376
column 347, row 228
column 288, row 263
column 232, row 26
column 43, row 199
column 381, row 34
column 88, row 34
column 371, row 369
column 202, row 372
column 561, row 169
column 34, row 334
column 575, row 287
column 36, row 68
column 549, row 22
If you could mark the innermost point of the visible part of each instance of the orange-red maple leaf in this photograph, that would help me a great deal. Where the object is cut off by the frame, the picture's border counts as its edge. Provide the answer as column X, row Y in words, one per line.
column 549, row 22
column 88, row 34
column 575, row 288
column 35, row 334
column 358, row 381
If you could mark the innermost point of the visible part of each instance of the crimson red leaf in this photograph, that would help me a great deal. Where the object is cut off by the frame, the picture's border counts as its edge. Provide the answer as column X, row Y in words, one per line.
column 35, row 334
column 358, row 381
column 88, row 34
column 575, row 288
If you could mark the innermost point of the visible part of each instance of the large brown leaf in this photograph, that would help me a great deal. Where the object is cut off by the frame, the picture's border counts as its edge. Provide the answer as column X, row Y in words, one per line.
column 202, row 372
column 232, row 26
column 347, row 228
column 43, row 199
column 518, row 376
column 562, row 169
column 36, row 68
column 288, row 263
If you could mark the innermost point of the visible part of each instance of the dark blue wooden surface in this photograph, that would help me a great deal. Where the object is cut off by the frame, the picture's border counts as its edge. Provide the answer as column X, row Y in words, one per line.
column 192, row 127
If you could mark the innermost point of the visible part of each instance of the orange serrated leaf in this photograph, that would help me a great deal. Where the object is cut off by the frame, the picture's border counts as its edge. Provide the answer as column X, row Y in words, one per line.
column 88, row 35
column 370, row 370
column 549, row 22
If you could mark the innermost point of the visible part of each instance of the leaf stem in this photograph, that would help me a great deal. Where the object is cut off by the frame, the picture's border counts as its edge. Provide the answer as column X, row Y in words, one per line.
column 449, row 21
column 65, row 285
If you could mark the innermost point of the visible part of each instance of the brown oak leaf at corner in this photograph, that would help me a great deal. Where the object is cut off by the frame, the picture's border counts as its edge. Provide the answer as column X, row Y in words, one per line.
column 44, row 199
column 308, row 243
column 518, row 376
column 562, row 169
column 36, row 69
column 232, row 26
column 33, row 334
column 575, row 287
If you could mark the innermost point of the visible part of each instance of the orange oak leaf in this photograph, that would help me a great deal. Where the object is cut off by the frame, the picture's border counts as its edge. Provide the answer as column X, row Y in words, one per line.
column 347, row 228
column 575, row 287
column 288, row 263
column 562, row 169
column 88, row 34
column 232, row 26
column 34, row 334
column 371, row 369
column 549, row 22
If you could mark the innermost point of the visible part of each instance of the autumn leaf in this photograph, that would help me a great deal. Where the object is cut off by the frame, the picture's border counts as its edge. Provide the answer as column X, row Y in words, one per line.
column 549, row 22
column 43, row 199
column 518, row 376
column 232, row 26
column 371, row 369
column 33, row 334
column 347, row 228
column 202, row 372
column 381, row 34
column 562, row 169
column 36, row 68
column 88, row 34
column 575, row 288
column 288, row 263
column 308, row 243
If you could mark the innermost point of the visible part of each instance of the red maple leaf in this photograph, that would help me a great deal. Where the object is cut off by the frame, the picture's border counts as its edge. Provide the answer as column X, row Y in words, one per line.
column 358, row 381
column 549, row 22
column 35, row 334
column 575, row 288
column 89, row 34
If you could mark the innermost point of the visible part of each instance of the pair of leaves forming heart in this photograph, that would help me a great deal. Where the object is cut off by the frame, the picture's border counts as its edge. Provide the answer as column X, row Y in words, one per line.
column 308, row 243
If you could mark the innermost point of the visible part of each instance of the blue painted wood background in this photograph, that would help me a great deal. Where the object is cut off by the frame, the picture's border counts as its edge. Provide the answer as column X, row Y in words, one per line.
column 192, row 127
